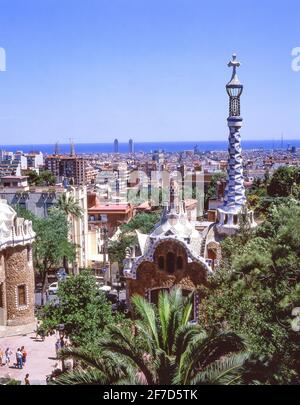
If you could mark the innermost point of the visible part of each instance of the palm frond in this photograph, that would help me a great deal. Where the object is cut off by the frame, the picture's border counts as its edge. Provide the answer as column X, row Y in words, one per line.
column 147, row 313
column 123, row 344
column 227, row 371
column 204, row 350
column 164, row 315
column 83, row 377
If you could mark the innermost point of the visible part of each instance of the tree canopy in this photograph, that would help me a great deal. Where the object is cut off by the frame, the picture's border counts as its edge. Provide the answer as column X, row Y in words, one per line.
column 82, row 309
column 283, row 180
column 257, row 288
column 44, row 178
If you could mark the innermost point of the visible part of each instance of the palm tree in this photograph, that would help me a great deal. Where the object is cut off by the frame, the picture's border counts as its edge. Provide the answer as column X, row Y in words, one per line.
column 69, row 205
column 167, row 349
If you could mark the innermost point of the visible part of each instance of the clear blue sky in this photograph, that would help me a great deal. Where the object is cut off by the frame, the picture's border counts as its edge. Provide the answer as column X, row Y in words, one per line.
column 94, row 70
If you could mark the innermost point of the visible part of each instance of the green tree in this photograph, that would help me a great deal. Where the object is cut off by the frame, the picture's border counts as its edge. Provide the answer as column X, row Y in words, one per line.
column 82, row 309
column 166, row 349
column 283, row 180
column 257, row 288
column 51, row 244
column 44, row 178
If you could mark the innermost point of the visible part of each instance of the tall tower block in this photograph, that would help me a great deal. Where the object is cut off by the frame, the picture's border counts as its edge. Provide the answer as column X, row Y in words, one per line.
column 116, row 146
column 235, row 199
column 130, row 146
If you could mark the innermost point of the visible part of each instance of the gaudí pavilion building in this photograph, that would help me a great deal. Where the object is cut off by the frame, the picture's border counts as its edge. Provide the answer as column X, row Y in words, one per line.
column 175, row 253
column 16, row 273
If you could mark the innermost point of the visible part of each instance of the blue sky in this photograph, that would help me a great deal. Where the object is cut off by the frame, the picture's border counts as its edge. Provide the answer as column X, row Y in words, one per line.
column 94, row 70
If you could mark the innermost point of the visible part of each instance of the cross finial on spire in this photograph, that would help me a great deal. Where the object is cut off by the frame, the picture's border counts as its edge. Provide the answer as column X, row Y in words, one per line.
column 234, row 63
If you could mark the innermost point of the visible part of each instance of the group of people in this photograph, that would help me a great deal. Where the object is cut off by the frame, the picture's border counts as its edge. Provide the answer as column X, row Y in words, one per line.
column 21, row 356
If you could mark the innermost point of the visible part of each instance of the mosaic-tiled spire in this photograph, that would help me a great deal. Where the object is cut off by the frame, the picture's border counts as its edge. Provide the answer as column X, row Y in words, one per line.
column 235, row 190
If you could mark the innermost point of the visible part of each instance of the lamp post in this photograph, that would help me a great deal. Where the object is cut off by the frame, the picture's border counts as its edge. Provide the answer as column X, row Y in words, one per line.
column 104, row 235
column 61, row 328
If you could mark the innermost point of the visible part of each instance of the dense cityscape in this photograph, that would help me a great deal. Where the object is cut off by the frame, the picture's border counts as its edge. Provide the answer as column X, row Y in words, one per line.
column 159, row 267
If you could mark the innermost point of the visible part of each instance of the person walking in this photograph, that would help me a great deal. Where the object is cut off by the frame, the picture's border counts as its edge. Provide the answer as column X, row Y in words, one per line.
column 24, row 355
column 57, row 347
column 7, row 355
column 26, row 379
column 37, row 329
column 19, row 357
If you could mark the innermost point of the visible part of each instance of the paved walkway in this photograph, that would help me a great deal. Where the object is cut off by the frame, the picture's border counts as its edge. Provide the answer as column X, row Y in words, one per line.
column 41, row 357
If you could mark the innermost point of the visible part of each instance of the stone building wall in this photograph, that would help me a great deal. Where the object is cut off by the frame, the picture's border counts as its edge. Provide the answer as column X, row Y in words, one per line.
column 19, row 271
column 3, row 305
column 152, row 275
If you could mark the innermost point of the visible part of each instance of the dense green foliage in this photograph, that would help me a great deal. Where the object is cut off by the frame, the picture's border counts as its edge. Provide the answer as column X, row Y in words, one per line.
column 82, row 309
column 283, row 181
column 143, row 222
column 44, row 178
column 165, row 349
column 257, row 288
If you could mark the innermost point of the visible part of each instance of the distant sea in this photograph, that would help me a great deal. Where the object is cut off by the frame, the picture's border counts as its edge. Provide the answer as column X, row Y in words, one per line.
column 152, row 146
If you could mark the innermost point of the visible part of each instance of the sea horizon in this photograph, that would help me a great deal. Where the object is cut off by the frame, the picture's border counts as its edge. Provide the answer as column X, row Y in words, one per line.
column 148, row 146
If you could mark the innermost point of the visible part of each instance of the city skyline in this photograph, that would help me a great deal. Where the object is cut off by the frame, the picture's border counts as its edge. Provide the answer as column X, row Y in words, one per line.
column 150, row 71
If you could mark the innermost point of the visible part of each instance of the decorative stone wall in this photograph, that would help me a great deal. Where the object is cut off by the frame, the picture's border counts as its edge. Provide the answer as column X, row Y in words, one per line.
column 3, row 305
column 19, row 271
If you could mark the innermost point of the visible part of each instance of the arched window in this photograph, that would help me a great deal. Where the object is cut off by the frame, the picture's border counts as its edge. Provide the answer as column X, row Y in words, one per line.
column 235, row 219
column 161, row 263
column 170, row 262
column 226, row 219
column 154, row 294
column 179, row 263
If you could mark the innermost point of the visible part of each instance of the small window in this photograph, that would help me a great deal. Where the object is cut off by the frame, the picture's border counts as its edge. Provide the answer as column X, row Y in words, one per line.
column 154, row 294
column 170, row 262
column 161, row 263
column 22, row 295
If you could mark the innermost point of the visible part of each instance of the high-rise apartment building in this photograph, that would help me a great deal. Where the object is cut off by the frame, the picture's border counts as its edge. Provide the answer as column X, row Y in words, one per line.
column 76, row 169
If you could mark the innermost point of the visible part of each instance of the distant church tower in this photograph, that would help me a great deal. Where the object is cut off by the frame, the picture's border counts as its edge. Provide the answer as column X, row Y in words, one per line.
column 235, row 198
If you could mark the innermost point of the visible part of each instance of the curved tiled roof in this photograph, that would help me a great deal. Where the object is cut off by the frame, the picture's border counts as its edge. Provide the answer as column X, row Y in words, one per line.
column 13, row 230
